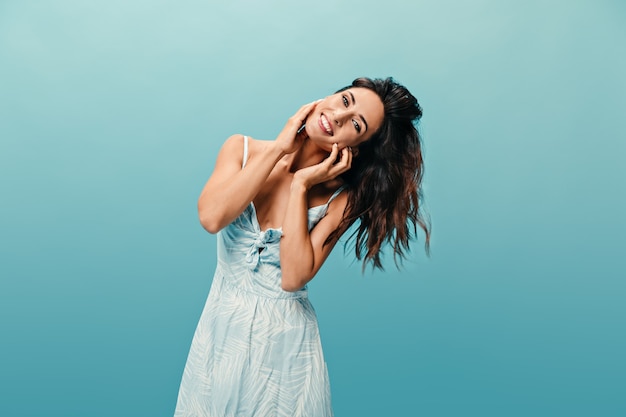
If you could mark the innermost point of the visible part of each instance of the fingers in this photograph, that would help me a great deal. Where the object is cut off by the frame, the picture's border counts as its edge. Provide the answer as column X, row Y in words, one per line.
column 329, row 168
column 304, row 111
column 333, row 155
column 346, row 160
column 344, row 163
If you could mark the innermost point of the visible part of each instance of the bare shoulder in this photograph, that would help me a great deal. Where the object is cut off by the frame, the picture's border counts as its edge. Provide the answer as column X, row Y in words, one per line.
column 230, row 155
column 233, row 148
column 329, row 223
column 337, row 207
column 233, row 144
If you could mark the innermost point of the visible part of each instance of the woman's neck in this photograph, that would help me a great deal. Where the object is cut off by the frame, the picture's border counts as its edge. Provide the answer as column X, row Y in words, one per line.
column 309, row 154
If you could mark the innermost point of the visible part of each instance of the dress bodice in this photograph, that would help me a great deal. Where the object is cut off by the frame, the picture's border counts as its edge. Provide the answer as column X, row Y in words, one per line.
column 251, row 256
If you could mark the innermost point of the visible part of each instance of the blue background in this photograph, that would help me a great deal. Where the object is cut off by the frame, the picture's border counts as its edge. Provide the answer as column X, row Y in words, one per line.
column 112, row 113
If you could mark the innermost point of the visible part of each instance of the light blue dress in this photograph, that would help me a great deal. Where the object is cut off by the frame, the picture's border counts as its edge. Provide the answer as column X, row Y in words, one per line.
column 256, row 351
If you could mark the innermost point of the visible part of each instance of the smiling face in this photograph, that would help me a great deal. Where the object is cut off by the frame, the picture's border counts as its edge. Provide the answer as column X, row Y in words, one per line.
column 347, row 118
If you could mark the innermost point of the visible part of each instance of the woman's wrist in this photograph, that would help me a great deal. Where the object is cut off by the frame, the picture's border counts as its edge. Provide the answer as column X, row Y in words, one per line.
column 299, row 184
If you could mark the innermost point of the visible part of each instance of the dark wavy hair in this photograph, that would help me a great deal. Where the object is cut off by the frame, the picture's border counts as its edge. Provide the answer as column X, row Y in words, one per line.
column 384, row 182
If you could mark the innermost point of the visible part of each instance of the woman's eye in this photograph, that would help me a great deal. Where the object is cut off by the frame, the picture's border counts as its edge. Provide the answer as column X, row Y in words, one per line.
column 356, row 126
column 345, row 100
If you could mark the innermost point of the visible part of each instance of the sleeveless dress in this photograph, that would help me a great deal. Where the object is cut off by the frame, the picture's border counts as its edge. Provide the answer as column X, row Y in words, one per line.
column 256, row 351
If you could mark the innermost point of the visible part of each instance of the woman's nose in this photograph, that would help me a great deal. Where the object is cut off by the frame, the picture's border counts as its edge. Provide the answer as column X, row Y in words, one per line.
column 340, row 116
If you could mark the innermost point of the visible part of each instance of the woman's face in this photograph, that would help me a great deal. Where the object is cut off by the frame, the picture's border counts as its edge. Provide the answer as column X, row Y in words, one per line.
column 347, row 118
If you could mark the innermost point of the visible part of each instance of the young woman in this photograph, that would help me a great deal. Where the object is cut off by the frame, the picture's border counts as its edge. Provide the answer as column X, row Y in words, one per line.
column 279, row 207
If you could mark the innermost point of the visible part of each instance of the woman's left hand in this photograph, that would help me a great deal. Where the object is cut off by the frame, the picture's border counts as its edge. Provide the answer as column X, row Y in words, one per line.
column 326, row 170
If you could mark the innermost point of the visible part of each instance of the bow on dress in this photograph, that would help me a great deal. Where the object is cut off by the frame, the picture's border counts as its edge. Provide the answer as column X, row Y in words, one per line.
column 263, row 238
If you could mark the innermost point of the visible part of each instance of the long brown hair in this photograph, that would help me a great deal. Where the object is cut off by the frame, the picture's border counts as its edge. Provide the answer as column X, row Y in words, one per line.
column 384, row 182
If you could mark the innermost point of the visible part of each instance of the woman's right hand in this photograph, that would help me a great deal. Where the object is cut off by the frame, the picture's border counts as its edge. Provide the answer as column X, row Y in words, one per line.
column 288, row 140
column 329, row 169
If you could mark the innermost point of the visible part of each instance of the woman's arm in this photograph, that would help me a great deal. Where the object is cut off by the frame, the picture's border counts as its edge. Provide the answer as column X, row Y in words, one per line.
column 230, row 188
column 302, row 253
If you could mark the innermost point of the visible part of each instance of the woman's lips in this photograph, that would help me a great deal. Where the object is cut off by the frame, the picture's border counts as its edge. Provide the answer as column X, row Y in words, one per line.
column 325, row 125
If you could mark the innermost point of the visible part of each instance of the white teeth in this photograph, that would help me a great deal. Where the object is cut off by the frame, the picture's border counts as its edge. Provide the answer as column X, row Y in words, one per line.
column 326, row 125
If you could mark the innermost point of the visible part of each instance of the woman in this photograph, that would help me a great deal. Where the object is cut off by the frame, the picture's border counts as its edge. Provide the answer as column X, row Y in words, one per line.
column 279, row 207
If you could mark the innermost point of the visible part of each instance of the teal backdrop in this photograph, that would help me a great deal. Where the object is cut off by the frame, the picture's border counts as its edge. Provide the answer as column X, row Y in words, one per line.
column 111, row 116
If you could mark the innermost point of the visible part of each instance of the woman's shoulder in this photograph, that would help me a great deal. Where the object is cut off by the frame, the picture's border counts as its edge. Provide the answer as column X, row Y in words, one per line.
column 231, row 149
column 235, row 145
column 239, row 148
column 237, row 142
column 234, row 141
column 330, row 193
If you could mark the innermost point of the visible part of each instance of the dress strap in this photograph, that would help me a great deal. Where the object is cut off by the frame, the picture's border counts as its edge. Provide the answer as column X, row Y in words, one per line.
column 335, row 194
column 245, row 151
